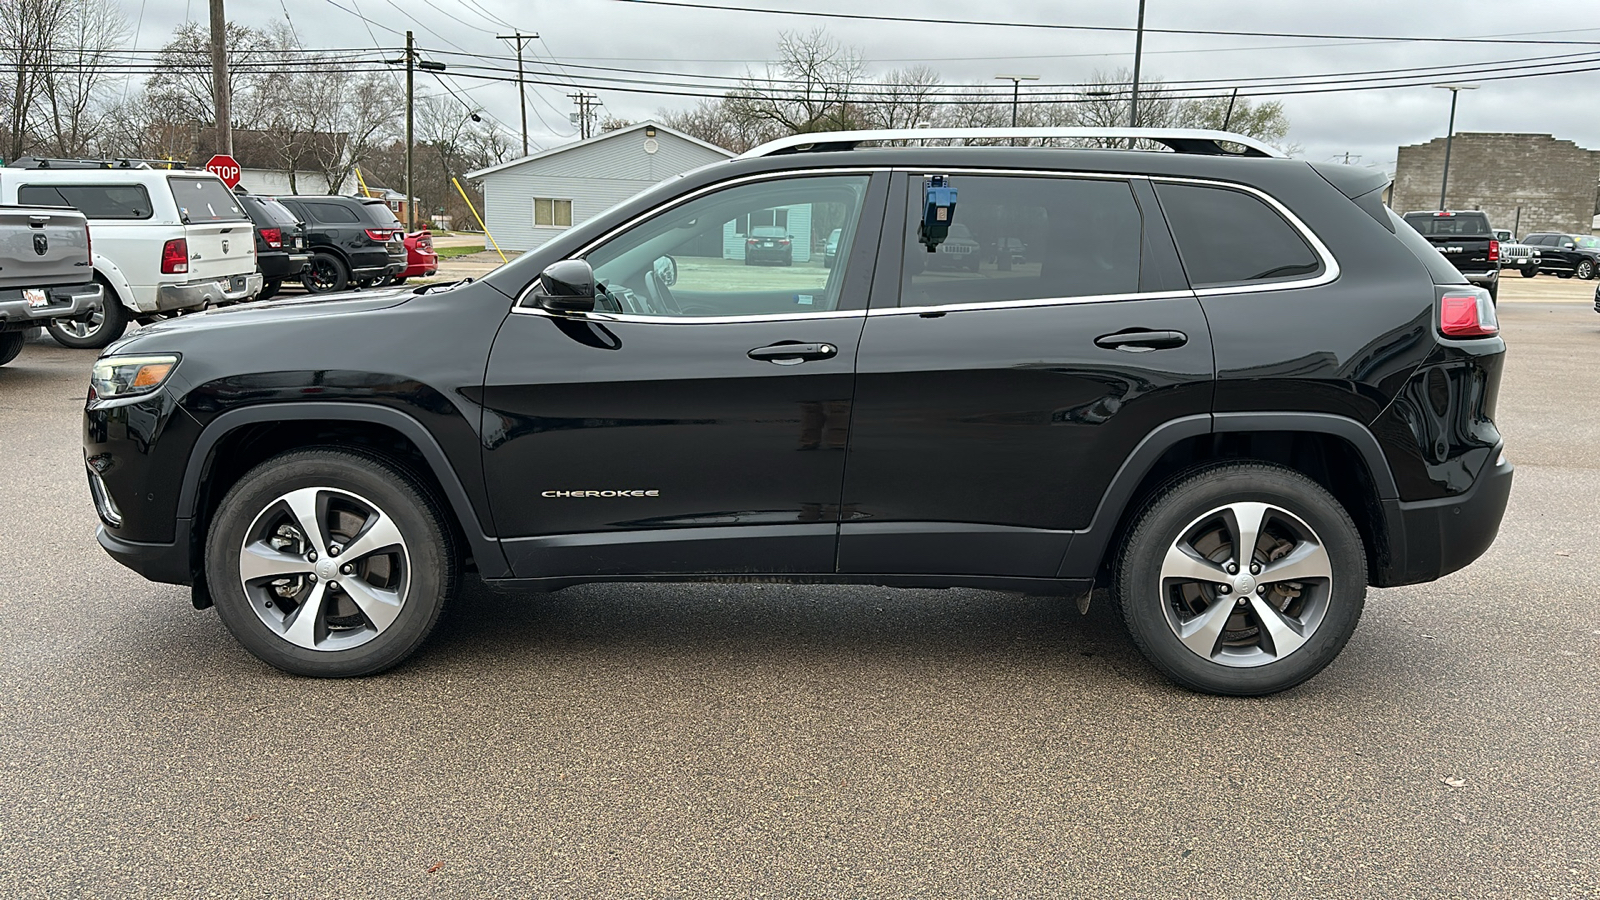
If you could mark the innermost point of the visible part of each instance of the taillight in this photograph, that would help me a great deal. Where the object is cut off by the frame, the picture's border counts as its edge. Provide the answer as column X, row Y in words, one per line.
column 379, row 234
column 783, row 243
column 425, row 243
column 175, row 257
column 1467, row 313
column 1494, row 251
column 273, row 237
column 752, row 241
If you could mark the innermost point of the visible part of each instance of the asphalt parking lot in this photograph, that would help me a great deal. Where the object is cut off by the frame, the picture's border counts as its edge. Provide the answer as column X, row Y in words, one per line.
column 766, row 740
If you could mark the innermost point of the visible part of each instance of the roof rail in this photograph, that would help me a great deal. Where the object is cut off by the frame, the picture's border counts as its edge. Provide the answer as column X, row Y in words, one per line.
column 1198, row 141
column 42, row 162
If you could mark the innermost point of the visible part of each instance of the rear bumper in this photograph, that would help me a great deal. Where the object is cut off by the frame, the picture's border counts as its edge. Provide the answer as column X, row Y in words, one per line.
column 211, row 290
column 1482, row 278
column 16, row 313
column 1432, row 538
column 282, row 264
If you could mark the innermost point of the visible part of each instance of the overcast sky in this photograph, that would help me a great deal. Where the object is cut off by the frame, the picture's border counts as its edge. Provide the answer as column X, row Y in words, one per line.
column 1366, row 124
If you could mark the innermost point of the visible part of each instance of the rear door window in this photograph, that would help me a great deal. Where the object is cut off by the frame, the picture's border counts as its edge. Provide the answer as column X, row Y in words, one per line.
column 203, row 200
column 1229, row 237
column 95, row 201
column 1020, row 238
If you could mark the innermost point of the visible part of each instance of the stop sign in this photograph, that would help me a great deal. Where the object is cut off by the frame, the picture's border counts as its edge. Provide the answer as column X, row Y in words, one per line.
column 226, row 169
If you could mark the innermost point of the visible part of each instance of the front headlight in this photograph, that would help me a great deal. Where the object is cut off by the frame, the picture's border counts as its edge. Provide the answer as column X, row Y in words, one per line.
column 128, row 376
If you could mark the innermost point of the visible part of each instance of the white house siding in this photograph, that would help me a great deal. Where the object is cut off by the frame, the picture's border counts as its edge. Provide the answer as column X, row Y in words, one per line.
column 276, row 182
column 595, row 177
column 798, row 223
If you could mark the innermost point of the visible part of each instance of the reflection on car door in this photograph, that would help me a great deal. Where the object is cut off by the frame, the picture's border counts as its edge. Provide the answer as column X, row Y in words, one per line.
column 993, row 407
column 697, row 421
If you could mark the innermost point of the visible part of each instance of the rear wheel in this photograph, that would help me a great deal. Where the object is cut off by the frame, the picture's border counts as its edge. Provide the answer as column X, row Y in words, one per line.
column 106, row 322
column 1494, row 290
column 11, row 344
column 325, row 274
column 269, row 288
column 1242, row 579
column 1584, row 269
column 330, row 563
column 1529, row 271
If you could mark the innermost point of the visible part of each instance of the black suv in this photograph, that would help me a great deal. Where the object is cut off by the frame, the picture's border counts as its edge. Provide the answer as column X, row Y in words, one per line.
column 354, row 241
column 1237, row 390
column 1566, row 255
column 280, row 242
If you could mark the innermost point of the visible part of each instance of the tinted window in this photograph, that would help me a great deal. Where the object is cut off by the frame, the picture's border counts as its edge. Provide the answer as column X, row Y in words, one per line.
column 1230, row 237
column 691, row 260
column 332, row 213
column 1454, row 224
column 205, row 200
column 1064, row 237
column 269, row 212
column 378, row 213
column 95, row 201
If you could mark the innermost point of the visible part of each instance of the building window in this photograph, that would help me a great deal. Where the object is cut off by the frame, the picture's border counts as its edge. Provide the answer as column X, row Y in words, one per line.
column 552, row 213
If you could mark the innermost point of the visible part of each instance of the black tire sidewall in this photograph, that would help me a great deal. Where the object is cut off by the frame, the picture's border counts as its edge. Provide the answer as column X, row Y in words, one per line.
column 431, row 575
column 341, row 275
column 1162, row 522
column 11, row 345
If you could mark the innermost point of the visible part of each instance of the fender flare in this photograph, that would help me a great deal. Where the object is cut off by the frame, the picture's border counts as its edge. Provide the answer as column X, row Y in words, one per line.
column 1088, row 547
column 485, row 547
column 120, row 288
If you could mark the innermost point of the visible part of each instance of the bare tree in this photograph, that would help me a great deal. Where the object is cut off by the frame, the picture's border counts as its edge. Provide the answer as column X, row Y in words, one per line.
column 78, row 71
column 905, row 98
column 714, row 122
column 808, row 88
column 29, row 29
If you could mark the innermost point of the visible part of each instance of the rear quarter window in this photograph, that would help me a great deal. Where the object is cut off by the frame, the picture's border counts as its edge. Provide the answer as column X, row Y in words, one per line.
column 380, row 214
column 1228, row 237
column 331, row 213
column 205, row 200
column 95, row 201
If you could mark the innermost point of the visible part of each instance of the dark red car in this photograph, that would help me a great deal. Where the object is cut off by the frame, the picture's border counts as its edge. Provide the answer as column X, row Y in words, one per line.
column 420, row 258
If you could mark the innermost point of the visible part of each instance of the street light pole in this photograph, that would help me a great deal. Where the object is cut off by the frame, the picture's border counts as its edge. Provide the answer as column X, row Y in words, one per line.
column 1450, row 134
column 1016, row 94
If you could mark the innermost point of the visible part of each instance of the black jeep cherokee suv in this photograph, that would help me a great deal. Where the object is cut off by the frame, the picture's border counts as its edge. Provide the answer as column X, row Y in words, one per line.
column 1238, row 390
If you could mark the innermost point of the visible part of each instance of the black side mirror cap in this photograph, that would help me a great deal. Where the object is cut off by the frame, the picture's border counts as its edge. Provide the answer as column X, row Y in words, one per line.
column 566, row 286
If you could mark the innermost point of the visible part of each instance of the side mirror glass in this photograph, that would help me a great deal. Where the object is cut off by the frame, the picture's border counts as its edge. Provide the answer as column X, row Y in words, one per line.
column 666, row 269
column 566, row 286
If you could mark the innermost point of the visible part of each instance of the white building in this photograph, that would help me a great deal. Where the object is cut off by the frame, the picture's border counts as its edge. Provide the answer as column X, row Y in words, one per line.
column 530, row 200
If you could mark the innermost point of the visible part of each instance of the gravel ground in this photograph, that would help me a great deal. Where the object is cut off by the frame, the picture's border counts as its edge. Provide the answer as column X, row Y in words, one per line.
column 743, row 740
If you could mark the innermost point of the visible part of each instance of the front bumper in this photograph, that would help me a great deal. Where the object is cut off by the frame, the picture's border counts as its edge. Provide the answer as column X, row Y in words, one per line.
column 208, row 291
column 17, row 313
column 1432, row 538
column 168, row 563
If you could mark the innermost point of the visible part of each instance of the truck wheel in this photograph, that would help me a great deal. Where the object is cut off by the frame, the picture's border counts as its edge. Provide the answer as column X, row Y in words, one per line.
column 269, row 287
column 1494, row 290
column 330, row 563
column 106, row 322
column 1242, row 579
column 11, row 344
column 1529, row 271
column 325, row 274
column 1585, row 269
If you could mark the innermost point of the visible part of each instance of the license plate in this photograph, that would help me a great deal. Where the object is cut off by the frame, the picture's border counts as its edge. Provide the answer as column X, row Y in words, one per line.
column 35, row 297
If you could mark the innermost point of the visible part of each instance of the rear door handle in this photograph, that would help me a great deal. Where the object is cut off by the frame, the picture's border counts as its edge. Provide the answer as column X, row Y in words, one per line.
column 793, row 354
column 1142, row 340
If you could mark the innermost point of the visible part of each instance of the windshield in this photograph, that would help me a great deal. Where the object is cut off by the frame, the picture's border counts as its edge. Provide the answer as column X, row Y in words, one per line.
column 1588, row 243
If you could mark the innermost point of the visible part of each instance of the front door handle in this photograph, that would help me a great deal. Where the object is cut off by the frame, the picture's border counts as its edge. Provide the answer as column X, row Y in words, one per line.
column 791, row 354
column 1142, row 340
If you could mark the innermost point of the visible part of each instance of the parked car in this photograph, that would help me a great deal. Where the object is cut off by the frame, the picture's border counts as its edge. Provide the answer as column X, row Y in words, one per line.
column 353, row 241
column 769, row 243
column 1237, row 414
column 46, row 272
column 421, row 260
column 281, row 251
column 1565, row 255
column 1466, row 240
column 830, row 250
column 958, row 251
column 165, row 240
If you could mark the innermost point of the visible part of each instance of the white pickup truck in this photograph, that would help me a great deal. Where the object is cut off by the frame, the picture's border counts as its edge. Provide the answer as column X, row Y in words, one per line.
column 165, row 240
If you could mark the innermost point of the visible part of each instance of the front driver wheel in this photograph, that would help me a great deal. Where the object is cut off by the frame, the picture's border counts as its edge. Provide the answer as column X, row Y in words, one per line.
column 330, row 563
column 1242, row 579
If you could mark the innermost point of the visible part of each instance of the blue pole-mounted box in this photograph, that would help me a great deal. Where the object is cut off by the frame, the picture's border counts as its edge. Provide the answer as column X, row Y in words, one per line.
column 938, row 210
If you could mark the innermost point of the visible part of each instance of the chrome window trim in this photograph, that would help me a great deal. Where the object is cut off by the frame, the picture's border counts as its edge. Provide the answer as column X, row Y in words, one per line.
column 687, row 320
column 1330, row 264
column 1024, row 304
column 588, row 248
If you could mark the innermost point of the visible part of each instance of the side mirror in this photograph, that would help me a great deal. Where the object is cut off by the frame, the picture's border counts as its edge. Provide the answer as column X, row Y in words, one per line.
column 1568, row 245
column 666, row 269
column 566, row 286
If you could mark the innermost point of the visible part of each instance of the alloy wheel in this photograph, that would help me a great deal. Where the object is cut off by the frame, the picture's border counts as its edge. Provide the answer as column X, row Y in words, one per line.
column 83, row 329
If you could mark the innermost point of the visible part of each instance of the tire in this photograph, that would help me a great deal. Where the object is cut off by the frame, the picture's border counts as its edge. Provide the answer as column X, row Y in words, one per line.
column 1529, row 271
column 1494, row 290
column 1171, row 573
column 269, row 288
column 1584, row 269
column 11, row 344
column 405, row 583
column 325, row 274
column 106, row 323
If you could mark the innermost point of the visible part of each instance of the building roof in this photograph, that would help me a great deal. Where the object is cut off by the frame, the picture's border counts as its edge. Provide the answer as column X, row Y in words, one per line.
column 553, row 151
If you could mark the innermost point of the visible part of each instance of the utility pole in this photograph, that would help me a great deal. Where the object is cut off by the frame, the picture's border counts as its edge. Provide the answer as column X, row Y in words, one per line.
column 219, row 78
column 1016, row 94
column 1450, row 134
column 1138, row 56
column 522, row 87
column 412, row 64
column 583, row 118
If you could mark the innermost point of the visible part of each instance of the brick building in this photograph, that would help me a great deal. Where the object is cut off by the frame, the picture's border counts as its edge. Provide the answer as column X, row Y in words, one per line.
column 1525, row 182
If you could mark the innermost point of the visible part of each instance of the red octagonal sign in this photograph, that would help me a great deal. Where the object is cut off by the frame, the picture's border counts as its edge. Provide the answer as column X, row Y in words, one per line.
column 226, row 169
